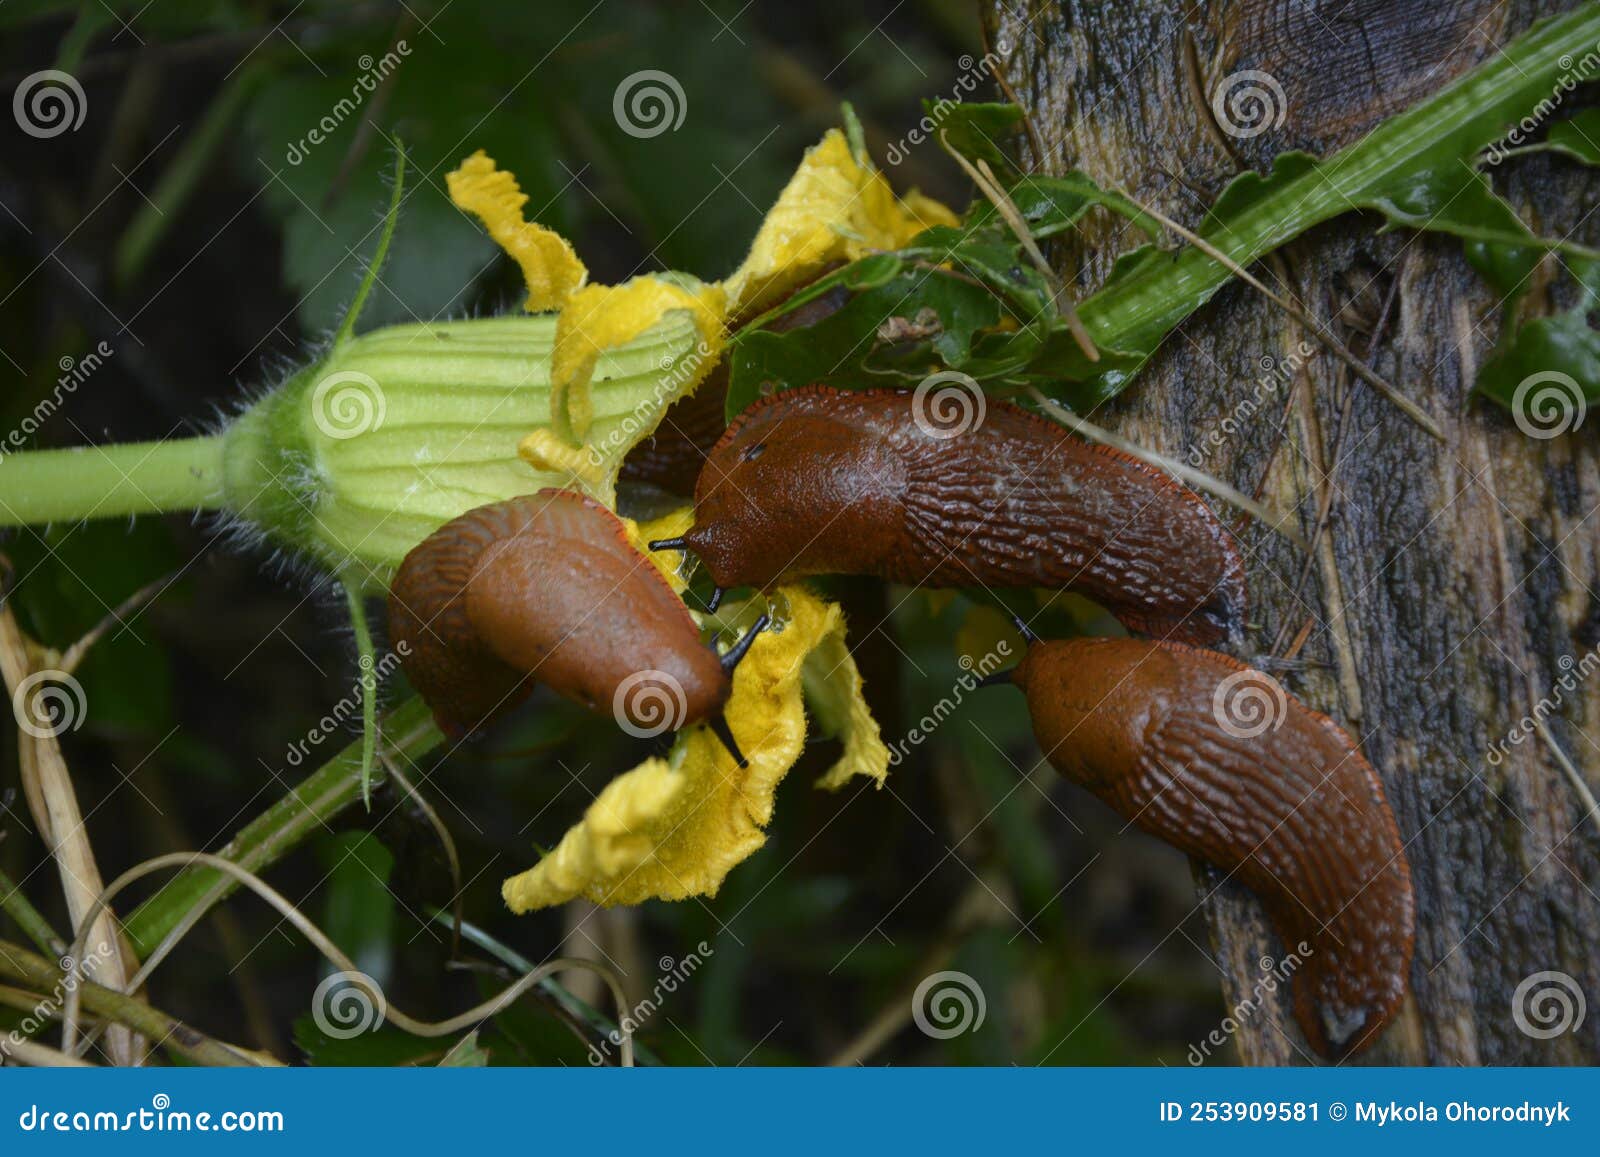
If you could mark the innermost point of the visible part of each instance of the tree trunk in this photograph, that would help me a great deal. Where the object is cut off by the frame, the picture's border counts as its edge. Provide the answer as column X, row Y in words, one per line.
column 1454, row 584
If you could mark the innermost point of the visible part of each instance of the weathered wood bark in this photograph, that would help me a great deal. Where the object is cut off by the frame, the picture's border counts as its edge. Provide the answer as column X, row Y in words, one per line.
column 1454, row 584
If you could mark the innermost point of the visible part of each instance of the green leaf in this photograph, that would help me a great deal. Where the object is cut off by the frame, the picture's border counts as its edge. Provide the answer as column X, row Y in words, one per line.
column 1547, row 373
column 894, row 332
column 977, row 131
column 1450, row 196
column 1052, row 205
column 360, row 910
column 1578, row 137
column 383, row 1047
column 466, row 1053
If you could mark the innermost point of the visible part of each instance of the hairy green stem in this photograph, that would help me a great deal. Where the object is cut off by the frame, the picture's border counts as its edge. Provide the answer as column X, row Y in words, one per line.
column 110, row 481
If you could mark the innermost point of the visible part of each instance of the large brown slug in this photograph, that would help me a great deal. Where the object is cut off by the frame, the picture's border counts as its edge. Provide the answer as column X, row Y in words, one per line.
column 547, row 588
column 825, row 481
column 1218, row 760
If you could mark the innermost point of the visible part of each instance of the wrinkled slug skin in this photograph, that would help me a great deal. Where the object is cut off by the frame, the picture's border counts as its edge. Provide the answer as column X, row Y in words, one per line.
column 1295, row 813
column 825, row 481
column 544, row 588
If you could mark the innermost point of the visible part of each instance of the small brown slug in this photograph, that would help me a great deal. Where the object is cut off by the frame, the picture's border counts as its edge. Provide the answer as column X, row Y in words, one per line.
column 547, row 588
column 818, row 480
column 1218, row 760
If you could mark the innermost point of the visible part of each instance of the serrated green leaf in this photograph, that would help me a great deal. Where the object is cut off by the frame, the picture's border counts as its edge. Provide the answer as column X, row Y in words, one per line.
column 1577, row 137
column 978, row 131
column 895, row 332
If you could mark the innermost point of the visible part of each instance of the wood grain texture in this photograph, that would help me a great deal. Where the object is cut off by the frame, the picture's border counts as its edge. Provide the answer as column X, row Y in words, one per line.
column 1453, row 582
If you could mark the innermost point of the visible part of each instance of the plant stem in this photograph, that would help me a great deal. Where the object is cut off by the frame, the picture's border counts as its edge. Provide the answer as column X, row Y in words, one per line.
column 1138, row 311
column 113, row 481
column 28, row 918
column 42, row 975
column 408, row 730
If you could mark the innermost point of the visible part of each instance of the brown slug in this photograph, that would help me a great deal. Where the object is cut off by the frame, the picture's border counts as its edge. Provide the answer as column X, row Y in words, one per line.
column 547, row 588
column 1218, row 760
column 818, row 480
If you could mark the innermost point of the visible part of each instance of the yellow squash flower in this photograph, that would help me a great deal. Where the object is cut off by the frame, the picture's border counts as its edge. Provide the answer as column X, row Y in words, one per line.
column 673, row 827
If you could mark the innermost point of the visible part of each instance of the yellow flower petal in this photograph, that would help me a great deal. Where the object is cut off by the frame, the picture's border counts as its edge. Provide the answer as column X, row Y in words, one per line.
column 673, row 828
column 549, row 265
column 668, row 562
column 833, row 209
column 547, row 453
column 599, row 318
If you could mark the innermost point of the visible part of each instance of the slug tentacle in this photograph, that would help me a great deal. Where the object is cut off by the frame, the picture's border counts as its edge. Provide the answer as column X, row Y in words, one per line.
column 825, row 481
column 548, row 588
column 1219, row 761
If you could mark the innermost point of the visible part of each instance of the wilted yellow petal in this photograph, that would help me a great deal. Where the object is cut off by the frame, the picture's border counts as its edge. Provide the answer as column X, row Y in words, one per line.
column 602, row 317
column 549, row 265
column 833, row 693
column 673, row 828
column 833, row 209
column 546, row 453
